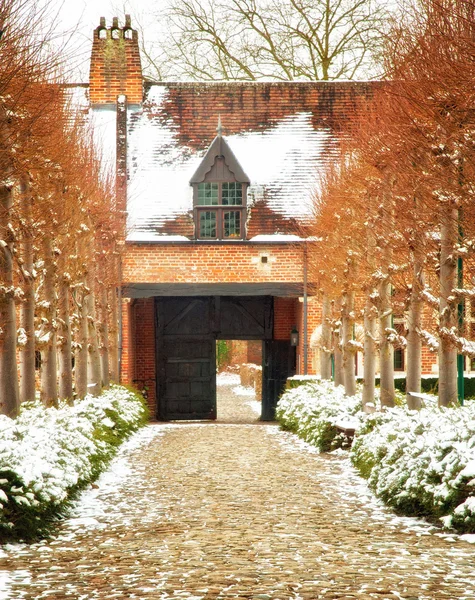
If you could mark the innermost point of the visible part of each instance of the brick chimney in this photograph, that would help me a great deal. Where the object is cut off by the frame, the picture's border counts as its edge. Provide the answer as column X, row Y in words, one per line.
column 115, row 64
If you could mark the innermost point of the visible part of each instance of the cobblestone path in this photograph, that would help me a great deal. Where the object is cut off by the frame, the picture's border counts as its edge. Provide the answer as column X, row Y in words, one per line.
column 236, row 510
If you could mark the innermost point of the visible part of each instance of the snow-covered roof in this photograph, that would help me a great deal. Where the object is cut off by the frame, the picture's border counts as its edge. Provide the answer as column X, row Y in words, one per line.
column 282, row 134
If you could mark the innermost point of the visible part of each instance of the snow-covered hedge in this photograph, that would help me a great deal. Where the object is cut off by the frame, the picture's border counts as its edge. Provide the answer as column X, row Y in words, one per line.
column 422, row 463
column 47, row 455
column 313, row 410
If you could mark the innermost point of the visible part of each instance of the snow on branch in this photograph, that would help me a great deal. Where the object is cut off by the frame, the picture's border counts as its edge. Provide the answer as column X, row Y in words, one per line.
column 429, row 340
column 463, row 345
column 430, row 299
column 394, row 338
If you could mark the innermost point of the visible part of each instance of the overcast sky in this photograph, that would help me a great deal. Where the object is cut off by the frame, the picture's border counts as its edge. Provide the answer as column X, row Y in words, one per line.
column 80, row 17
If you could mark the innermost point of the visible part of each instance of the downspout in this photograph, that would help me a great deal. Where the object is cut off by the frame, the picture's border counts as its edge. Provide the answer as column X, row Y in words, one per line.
column 119, row 302
column 305, row 310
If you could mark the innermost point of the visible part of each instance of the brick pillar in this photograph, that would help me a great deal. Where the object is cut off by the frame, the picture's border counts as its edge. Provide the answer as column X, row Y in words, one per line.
column 127, row 359
column 115, row 64
column 314, row 318
column 285, row 317
column 144, row 350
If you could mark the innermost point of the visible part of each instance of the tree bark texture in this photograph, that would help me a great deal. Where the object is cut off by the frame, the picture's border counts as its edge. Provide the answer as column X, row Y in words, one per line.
column 65, row 341
column 80, row 354
column 104, row 336
column 9, row 390
column 114, row 336
column 27, row 307
column 347, row 321
column 337, row 353
column 326, row 340
column 49, row 363
column 448, row 308
column 414, row 342
column 386, row 349
column 369, row 352
column 94, row 385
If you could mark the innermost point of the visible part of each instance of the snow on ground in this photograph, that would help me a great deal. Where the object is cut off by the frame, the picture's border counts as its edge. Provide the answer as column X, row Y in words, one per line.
column 242, row 390
column 226, row 378
column 354, row 490
column 89, row 506
column 255, row 405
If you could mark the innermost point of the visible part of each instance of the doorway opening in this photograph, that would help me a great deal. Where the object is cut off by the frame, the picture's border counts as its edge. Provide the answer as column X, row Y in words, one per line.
column 239, row 380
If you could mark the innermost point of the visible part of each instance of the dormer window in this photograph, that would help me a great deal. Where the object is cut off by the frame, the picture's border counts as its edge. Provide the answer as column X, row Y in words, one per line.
column 220, row 223
column 219, row 194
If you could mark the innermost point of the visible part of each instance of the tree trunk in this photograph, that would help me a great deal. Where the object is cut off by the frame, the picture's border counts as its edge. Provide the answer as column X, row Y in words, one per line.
column 65, row 341
column 369, row 351
column 114, row 336
column 347, row 321
column 448, row 308
column 49, row 366
column 9, row 391
column 326, row 341
column 386, row 349
column 338, row 357
column 94, row 358
column 80, row 353
column 414, row 342
column 104, row 337
column 27, row 307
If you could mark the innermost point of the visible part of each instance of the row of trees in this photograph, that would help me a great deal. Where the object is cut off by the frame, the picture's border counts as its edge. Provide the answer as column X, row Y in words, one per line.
column 396, row 218
column 58, row 229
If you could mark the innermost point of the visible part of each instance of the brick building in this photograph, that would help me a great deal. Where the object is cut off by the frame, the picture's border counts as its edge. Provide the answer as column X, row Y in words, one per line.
column 215, row 181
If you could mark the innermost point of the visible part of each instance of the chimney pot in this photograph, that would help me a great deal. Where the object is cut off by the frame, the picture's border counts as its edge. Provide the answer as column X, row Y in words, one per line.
column 115, row 68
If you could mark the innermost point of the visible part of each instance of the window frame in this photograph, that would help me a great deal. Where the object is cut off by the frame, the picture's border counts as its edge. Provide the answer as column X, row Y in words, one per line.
column 219, row 209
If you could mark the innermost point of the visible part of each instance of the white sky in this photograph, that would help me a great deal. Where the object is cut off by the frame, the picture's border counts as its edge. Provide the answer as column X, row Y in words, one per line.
column 80, row 17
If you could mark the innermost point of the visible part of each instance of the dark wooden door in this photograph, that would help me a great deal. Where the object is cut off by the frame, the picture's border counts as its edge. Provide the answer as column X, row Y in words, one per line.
column 279, row 362
column 186, row 358
column 244, row 317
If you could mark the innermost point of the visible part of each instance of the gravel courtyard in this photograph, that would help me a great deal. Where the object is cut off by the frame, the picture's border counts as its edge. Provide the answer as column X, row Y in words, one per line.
column 235, row 509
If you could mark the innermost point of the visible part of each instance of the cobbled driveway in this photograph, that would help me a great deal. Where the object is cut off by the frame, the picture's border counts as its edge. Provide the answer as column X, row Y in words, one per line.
column 235, row 509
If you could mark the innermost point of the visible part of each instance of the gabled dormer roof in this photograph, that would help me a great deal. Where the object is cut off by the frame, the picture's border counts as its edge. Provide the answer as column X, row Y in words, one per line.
column 283, row 134
column 219, row 149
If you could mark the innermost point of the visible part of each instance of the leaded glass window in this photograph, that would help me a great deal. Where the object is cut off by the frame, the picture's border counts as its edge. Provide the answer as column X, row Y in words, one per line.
column 231, row 194
column 232, row 224
column 208, row 224
column 220, row 210
column 208, row 194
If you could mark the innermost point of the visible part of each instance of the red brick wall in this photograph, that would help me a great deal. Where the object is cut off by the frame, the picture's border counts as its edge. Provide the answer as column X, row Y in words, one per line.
column 238, row 352
column 314, row 318
column 144, row 377
column 127, row 355
column 285, row 317
column 428, row 360
column 138, row 348
column 254, row 352
column 213, row 263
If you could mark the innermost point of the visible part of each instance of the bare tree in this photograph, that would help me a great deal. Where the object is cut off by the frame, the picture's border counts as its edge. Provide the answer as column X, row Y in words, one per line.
column 255, row 39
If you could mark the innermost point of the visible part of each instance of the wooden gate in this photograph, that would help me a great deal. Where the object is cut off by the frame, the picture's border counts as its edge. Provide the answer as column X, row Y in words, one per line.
column 279, row 363
column 187, row 330
column 186, row 359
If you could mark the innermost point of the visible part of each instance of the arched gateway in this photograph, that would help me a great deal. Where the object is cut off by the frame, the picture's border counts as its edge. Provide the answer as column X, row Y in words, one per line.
column 214, row 219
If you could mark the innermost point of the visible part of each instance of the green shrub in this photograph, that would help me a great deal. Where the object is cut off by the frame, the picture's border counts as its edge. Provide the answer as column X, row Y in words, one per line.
column 48, row 455
column 312, row 411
